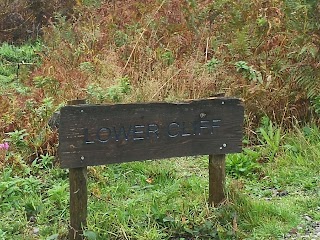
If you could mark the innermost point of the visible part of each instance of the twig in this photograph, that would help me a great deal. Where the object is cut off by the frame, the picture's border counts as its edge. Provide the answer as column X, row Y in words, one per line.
column 166, row 83
column 207, row 46
column 23, row 63
column 141, row 34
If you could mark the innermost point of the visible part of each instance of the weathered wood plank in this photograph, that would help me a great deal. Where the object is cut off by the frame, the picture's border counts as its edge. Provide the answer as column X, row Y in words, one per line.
column 78, row 202
column 100, row 134
column 217, row 175
column 78, row 196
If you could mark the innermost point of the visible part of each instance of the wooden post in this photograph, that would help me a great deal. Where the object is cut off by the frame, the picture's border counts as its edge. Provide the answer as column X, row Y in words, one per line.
column 217, row 175
column 91, row 135
column 78, row 202
column 78, row 196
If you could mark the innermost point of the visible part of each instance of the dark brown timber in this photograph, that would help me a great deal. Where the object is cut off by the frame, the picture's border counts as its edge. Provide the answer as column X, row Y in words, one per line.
column 102, row 134
column 217, row 177
column 78, row 197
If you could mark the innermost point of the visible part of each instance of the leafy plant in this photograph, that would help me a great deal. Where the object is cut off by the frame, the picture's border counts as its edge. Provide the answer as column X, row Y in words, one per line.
column 17, row 138
column 96, row 92
column 248, row 71
column 24, row 54
column 90, row 235
column 49, row 85
column 87, row 67
column 240, row 44
column 262, row 21
column 244, row 164
column 14, row 58
column 46, row 108
column 116, row 92
column 45, row 162
column 120, row 38
column 2, row 234
column 270, row 138
column 57, row 194
column 212, row 64
column 167, row 57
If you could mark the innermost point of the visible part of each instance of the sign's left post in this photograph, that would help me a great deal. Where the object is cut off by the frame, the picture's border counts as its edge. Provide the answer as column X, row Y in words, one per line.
column 78, row 196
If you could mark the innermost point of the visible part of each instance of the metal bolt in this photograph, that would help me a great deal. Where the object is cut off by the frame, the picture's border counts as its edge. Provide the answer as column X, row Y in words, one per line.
column 81, row 110
column 222, row 102
column 202, row 115
column 224, row 145
column 220, row 148
column 82, row 158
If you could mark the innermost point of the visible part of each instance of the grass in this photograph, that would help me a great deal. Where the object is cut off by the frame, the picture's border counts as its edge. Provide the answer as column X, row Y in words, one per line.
column 166, row 51
column 167, row 199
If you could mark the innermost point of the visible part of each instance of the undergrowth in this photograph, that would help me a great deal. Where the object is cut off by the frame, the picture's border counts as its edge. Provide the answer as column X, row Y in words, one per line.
column 166, row 51
column 139, row 51
column 167, row 199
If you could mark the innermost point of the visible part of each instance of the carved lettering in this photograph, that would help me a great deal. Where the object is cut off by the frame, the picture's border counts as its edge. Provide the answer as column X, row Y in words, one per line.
column 153, row 129
column 184, row 132
column 173, row 129
column 137, row 132
column 215, row 126
column 103, row 135
column 86, row 137
column 205, row 124
column 122, row 131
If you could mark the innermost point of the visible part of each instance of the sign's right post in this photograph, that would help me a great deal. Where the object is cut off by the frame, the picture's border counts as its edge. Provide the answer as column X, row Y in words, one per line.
column 217, row 175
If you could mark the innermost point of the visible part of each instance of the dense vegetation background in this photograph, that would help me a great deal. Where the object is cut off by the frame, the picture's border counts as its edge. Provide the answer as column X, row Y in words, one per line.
column 266, row 52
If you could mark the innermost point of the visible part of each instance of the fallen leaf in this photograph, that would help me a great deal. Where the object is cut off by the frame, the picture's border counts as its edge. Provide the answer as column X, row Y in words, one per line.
column 149, row 180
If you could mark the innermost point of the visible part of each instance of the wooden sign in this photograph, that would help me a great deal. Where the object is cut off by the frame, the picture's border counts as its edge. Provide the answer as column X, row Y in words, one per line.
column 102, row 134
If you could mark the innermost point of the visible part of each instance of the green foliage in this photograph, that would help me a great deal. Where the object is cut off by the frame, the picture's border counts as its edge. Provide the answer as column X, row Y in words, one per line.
column 166, row 199
column 96, row 93
column 19, row 54
column 62, row 31
column 114, row 93
column 13, row 58
column 92, row 3
column 167, row 57
column 53, row 237
column 244, row 164
column 262, row 21
column 240, row 45
column 316, row 104
column 87, row 67
column 117, row 92
column 46, row 108
column 120, row 38
column 2, row 234
column 57, row 195
column 212, row 64
column 17, row 138
column 49, row 85
column 270, row 138
column 14, row 188
column 90, row 235
column 248, row 71
column 45, row 162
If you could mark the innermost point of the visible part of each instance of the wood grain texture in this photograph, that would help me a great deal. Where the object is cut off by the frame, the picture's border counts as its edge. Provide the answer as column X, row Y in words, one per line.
column 102, row 134
column 217, row 175
column 78, row 196
column 78, row 202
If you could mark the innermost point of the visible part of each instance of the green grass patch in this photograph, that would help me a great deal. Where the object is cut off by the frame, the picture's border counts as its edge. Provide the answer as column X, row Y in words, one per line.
column 167, row 199
column 16, row 62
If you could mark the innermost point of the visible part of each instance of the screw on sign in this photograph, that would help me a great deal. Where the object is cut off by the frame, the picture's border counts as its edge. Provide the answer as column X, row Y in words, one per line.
column 92, row 135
